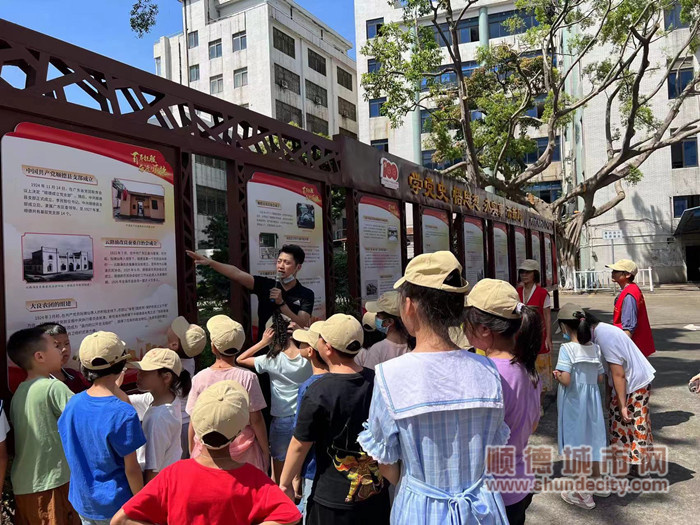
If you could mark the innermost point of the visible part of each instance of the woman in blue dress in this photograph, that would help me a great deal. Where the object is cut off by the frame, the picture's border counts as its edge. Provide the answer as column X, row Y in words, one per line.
column 579, row 407
column 435, row 410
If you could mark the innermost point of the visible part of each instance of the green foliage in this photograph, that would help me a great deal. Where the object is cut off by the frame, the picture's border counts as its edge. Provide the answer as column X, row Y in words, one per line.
column 635, row 175
column 143, row 16
column 399, row 78
column 213, row 288
column 518, row 90
column 343, row 303
column 502, row 90
column 337, row 202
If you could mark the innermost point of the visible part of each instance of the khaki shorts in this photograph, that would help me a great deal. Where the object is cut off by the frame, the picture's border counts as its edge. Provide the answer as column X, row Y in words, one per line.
column 48, row 507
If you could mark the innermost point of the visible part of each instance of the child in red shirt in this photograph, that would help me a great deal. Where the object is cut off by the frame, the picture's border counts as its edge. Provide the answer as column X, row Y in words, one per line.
column 212, row 489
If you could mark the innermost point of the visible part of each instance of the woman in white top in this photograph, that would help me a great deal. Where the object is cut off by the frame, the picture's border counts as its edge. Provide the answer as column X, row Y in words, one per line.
column 630, row 376
column 387, row 320
column 287, row 369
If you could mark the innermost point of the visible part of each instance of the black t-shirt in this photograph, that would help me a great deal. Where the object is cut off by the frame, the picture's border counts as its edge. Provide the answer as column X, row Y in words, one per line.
column 298, row 298
column 331, row 415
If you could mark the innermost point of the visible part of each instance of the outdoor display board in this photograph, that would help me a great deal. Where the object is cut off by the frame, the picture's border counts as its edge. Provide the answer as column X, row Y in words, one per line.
column 500, row 251
column 89, row 236
column 474, row 255
column 536, row 247
column 520, row 246
column 285, row 211
column 379, row 224
column 436, row 231
column 548, row 259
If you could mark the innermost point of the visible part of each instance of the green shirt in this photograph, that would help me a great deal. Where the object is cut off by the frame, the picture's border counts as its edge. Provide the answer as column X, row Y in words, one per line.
column 39, row 463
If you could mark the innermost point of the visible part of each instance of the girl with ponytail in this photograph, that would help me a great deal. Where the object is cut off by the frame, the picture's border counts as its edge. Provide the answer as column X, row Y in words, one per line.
column 287, row 370
column 579, row 406
column 511, row 335
column 163, row 381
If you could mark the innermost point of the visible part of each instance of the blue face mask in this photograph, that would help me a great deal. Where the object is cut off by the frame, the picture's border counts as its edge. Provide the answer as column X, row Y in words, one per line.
column 378, row 324
column 566, row 336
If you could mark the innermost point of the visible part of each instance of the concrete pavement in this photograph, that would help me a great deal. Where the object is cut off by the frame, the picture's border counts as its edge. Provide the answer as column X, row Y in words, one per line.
column 674, row 418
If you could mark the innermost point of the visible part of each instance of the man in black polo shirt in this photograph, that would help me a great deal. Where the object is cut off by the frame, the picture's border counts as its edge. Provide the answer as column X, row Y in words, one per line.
column 294, row 300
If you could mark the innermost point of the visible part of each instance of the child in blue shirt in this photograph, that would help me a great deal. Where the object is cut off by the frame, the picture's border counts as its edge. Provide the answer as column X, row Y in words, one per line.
column 101, row 432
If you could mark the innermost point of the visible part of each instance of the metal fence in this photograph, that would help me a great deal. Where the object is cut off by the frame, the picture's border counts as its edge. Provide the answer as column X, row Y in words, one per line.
column 601, row 280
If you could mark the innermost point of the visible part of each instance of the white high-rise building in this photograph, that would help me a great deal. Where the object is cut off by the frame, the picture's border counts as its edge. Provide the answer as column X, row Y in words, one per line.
column 481, row 26
column 648, row 218
column 647, row 221
column 271, row 56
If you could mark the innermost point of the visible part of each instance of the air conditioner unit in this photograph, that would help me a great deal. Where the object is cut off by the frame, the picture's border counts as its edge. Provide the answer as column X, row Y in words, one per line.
column 284, row 84
column 317, row 101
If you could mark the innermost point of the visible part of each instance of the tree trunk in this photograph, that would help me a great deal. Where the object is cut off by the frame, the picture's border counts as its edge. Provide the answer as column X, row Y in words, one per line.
column 568, row 244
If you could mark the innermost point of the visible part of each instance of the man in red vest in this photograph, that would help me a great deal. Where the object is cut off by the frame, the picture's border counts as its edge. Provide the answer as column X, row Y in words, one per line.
column 630, row 312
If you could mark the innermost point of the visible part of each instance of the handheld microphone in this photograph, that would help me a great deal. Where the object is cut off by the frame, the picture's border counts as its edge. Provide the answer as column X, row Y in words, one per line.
column 278, row 282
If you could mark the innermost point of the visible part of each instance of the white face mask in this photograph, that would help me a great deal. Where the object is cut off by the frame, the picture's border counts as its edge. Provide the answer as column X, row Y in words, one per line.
column 288, row 280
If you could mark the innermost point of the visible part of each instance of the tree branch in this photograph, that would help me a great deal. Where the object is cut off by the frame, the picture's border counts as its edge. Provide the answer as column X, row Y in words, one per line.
column 617, row 199
column 685, row 48
column 635, row 104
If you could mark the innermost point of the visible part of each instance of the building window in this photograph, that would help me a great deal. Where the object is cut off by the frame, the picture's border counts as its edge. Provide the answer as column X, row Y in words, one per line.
column 678, row 80
column 194, row 73
column 317, row 62
column 531, row 158
column 215, row 49
column 684, row 154
column 547, row 191
column 287, row 80
column 316, row 125
column 283, row 42
column 428, row 162
column 426, row 121
column 240, row 77
column 216, row 84
column 373, row 66
column 672, row 18
column 448, row 78
column 154, row 204
column 537, row 109
column 381, row 145
column 316, row 94
column 442, row 35
column 467, row 31
column 212, row 162
column 374, row 26
column 192, row 39
column 344, row 78
column 498, row 28
column 239, row 41
column 347, row 133
column 210, row 201
column 375, row 107
column 427, row 158
column 158, row 67
column 684, row 202
column 286, row 113
column 347, row 109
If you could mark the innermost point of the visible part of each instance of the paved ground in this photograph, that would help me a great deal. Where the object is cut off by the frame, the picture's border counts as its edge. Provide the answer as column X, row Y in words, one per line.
column 673, row 412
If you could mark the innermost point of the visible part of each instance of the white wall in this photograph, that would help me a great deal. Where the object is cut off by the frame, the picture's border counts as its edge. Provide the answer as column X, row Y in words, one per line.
column 257, row 18
column 645, row 217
